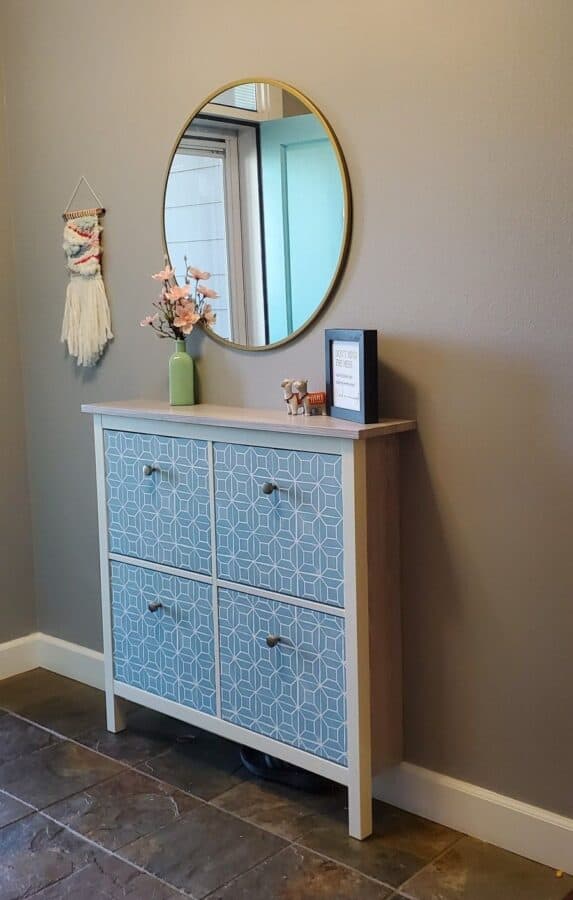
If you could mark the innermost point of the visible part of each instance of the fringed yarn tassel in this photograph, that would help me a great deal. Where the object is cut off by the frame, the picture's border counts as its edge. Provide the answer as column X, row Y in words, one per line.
column 86, row 328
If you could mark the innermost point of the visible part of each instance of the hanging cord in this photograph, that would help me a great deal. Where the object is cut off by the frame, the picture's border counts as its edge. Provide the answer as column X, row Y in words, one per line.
column 77, row 213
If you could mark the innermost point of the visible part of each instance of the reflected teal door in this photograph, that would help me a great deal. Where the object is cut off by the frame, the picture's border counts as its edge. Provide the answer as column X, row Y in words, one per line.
column 303, row 219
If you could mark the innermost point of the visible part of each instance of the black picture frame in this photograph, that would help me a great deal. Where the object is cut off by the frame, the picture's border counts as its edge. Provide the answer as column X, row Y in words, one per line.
column 367, row 341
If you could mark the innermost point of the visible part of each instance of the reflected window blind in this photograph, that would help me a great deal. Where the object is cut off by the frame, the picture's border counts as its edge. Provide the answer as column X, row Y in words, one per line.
column 243, row 96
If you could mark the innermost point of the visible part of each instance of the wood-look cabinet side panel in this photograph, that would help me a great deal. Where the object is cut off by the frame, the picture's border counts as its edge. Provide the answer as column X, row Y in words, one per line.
column 383, row 547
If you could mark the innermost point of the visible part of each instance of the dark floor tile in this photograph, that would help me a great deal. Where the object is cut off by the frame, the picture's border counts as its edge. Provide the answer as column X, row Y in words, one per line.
column 206, row 765
column 399, row 846
column 472, row 870
column 147, row 734
column 11, row 810
column 202, row 851
column 296, row 873
column 283, row 810
column 70, row 714
column 35, row 853
column 53, row 701
column 122, row 809
column 108, row 879
column 18, row 738
column 33, row 687
column 53, row 773
column 150, row 722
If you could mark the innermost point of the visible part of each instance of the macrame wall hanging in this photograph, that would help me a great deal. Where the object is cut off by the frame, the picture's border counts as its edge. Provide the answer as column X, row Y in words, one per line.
column 86, row 328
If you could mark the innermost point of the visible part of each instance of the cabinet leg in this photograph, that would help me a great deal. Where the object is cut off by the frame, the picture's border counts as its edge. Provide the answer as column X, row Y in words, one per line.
column 114, row 713
column 360, row 811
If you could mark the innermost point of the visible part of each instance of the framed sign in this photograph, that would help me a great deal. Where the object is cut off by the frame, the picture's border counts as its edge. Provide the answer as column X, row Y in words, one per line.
column 351, row 358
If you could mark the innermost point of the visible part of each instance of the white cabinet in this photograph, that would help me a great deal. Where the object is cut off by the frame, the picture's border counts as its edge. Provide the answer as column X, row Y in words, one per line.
column 249, row 566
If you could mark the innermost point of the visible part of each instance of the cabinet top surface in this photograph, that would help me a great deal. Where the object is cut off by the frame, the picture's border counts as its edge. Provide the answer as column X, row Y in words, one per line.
column 257, row 419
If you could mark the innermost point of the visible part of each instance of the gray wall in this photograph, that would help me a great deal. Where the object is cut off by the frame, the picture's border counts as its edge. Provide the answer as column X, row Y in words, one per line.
column 17, row 602
column 456, row 122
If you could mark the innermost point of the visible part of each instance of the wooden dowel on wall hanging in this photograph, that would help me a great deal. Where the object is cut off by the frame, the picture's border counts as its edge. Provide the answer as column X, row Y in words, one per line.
column 78, row 213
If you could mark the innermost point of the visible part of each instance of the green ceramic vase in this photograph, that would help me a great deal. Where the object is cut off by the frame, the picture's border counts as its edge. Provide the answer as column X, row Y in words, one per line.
column 181, row 377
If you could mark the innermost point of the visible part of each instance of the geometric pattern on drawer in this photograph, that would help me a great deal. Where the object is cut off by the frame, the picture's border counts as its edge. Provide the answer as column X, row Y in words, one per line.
column 289, row 541
column 162, row 517
column 294, row 692
column 170, row 652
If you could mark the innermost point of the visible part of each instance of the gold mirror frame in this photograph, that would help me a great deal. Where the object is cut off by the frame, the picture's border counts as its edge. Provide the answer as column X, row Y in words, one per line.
column 347, row 211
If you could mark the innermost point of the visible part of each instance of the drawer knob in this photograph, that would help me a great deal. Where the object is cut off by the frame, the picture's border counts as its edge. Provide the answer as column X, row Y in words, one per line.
column 149, row 470
column 268, row 487
column 154, row 606
column 273, row 640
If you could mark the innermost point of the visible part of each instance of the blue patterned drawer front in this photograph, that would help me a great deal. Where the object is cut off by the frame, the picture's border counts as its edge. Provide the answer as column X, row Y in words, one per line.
column 294, row 692
column 162, row 517
column 289, row 541
column 170, row 652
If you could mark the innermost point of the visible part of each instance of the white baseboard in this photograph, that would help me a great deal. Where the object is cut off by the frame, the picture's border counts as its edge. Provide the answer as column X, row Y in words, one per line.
column 71, row 660
column 63, row 657
column 533, row 832
column 19, row 655
column 528, row 830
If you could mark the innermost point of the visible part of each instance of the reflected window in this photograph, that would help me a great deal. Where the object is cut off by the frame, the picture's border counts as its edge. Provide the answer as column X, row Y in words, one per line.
column 212, row 217
column 242, row 96
column 206, row 215
column 195, row 217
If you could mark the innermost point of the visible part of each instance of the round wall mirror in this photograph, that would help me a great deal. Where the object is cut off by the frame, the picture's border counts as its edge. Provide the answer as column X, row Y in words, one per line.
column 257, row 193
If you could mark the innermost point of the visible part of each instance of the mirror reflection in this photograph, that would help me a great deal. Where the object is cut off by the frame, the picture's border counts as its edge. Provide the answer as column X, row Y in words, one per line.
column 256, row 194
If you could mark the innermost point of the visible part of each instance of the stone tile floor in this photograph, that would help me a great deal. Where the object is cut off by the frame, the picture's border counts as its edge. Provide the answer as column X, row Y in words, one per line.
column 164, row 810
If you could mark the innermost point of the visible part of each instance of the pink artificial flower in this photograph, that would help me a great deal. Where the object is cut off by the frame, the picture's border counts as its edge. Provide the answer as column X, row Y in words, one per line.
column 199, row 274
column 177, row 293
column 149, row 320
column 207, row 292
column 186, row 318
column 186, row 305
column 164, row 275
column 209, row 317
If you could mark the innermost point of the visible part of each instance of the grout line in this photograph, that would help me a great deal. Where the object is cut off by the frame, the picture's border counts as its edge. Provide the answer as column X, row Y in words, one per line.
column 75, row 740
column 117, row 852
column 61, row 800
column 404, row 885
column 211, row 803
column 128, row 767
column 245, row 821
column 32, row 808
column 261, row 862
column 57, row 881
column 111, row 853
column 344, row 865
column 86, row 732
column 232, row 788
column 131, row 768
column 50, row 747
column 58, row 734
column 145, row 760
